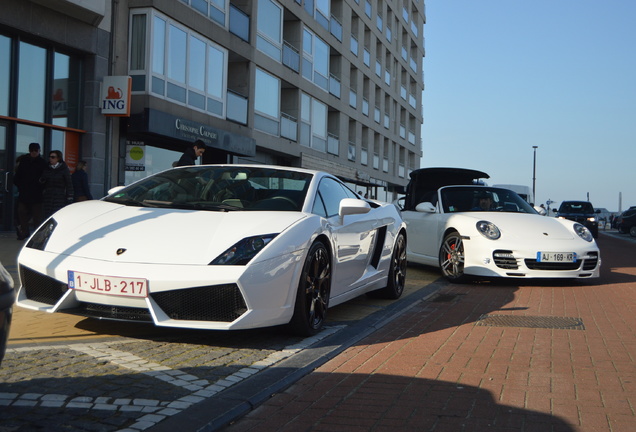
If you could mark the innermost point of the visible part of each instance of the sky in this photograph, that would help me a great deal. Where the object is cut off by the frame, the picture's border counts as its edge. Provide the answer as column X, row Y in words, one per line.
column 502, row 76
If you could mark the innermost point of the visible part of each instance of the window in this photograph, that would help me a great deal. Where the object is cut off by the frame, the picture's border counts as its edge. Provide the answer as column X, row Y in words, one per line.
column 266, row 103
column 330, row 193
column 214, row 9
column 185, row 67
column 315, row 60
column 5, row 69
column 269, row 29
column 313, row 128
column 32, row 83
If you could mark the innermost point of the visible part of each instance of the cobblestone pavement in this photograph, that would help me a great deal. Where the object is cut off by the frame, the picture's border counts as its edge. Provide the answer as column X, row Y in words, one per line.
column 129, row 384
column 61, row 373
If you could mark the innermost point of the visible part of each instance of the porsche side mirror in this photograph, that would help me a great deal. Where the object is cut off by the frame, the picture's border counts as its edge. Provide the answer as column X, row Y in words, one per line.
column 425, row 207
column 351, row 206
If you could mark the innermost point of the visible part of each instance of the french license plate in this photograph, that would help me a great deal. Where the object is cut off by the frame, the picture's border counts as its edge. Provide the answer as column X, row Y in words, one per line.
column 110, row 285
column 556, row 257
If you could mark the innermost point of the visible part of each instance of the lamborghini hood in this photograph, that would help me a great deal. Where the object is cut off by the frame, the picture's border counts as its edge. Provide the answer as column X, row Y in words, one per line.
column 106, row 231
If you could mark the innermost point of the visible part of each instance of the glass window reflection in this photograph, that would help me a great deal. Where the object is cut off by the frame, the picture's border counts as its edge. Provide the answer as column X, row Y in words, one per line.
column 32, row 82
column 5, row 55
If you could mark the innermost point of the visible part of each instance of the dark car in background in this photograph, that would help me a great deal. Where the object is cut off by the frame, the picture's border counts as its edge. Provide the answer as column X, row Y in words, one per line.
column 582, row 212
column 626, row 222
column 7, row 297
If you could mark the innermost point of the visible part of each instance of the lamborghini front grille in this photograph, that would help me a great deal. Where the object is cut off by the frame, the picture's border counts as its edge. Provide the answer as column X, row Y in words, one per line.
column 209, row 303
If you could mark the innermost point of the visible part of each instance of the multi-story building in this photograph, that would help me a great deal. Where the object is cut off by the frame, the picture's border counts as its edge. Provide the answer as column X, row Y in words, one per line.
column 334, row 85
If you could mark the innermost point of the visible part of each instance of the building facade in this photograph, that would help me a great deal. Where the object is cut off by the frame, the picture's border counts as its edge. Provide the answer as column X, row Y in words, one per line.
column 333, row 85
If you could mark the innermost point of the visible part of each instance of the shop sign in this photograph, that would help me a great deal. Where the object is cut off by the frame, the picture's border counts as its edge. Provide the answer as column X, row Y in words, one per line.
column 115, row 96
column 135, row 156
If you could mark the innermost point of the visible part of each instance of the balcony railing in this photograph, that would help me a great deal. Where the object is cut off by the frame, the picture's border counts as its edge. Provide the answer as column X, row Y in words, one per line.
column 335, row 28
column 236, row 107
column 333, row 144
column 334, row 85
column 239, row 23
column 288, row 126
column 291, row 56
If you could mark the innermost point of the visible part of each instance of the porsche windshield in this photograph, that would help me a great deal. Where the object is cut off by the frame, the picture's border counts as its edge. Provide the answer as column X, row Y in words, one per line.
column 481, row 198
column 220, row 188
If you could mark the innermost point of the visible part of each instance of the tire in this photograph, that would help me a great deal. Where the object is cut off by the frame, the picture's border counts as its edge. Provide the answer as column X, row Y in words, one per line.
column 397, row 272
column 314, row 288
column 632, row 231
column 451, row 258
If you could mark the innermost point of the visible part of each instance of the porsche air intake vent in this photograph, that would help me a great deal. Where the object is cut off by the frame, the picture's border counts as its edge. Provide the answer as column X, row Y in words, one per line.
column 505, row 259
column 209, row 303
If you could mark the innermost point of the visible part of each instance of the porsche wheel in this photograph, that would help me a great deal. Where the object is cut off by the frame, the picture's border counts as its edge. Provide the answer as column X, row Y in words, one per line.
column 314, row 288
column 397, row 272
column 451, row 257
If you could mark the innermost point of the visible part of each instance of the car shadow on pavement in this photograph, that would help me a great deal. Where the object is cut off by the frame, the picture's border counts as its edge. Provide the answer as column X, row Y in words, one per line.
column 355, row 401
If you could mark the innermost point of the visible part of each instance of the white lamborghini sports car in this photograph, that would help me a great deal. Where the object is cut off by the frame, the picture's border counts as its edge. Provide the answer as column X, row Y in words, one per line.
column 468, row 229
column 216, row 247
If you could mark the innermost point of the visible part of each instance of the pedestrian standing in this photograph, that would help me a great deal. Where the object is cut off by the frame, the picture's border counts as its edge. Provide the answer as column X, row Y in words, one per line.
column 81, row 190
column 29, row 169
column 58, row 186
column 192, row 153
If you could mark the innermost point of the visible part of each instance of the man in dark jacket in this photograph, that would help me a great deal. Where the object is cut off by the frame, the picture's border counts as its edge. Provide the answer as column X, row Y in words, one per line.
column 27, row 178
column 192, row 153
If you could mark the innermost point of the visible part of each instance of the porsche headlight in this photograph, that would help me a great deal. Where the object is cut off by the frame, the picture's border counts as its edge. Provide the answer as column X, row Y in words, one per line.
column 243, row 251
column 42, row 235
column 488, row 230
column 583, row 232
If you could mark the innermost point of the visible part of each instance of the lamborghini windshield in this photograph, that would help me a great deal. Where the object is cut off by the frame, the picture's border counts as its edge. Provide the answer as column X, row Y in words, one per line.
column 221, row 188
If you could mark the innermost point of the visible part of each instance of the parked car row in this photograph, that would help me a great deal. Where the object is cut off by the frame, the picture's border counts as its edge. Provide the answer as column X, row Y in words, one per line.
column 626, row 222
column 468, row 229
column 242, row 246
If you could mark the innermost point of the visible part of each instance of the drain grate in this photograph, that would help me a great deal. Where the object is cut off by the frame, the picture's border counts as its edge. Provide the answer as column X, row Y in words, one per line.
column 548, row 322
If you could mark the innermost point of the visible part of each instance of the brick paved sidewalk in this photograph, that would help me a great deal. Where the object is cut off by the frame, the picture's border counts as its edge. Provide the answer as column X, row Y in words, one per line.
column 436, row 368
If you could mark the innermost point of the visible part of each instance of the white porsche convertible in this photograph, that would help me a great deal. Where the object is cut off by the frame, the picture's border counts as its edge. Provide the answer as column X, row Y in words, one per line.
column 216, row 247
column 468, row 229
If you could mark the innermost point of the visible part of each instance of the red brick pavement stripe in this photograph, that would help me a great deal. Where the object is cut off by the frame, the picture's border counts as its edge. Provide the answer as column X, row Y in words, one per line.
column 433, row 369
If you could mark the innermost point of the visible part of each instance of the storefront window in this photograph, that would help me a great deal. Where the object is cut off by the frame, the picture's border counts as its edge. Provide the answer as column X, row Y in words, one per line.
column 25, row 135
column 5, row 56
column 156, row 160
column 32, row 82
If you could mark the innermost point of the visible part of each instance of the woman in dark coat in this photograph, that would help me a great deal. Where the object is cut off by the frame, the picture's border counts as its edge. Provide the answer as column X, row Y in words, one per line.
column 80, row 183
column 58, row 186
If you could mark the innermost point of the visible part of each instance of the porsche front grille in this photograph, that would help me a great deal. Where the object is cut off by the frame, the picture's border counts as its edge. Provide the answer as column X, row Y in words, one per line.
column 41, row 288
column 209, row 303
column 587, row 263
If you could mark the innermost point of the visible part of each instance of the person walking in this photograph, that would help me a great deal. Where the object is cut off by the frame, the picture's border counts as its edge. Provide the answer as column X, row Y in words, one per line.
column 81, row 190
column 58, row 186
column 192, row 153
column 29, row 169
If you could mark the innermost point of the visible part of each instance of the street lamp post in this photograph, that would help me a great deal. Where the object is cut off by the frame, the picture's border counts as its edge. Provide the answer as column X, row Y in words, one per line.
column 534, row 174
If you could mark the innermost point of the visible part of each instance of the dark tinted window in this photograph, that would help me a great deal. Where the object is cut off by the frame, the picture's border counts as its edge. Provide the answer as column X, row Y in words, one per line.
column 330, row 193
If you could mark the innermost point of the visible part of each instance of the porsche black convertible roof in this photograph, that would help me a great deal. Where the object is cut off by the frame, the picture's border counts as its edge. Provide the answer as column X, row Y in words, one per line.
column 426, row 181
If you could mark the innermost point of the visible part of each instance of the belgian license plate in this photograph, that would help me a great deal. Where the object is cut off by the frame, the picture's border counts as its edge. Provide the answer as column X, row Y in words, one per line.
column 110, row 285
column 556, row 257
